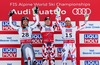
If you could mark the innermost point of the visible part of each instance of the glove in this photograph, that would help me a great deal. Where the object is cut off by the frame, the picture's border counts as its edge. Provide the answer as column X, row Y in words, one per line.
column 55, row 25
column 58, row 12
column 38, row 25
column 11, row 13
column 86, row 17
column 35, row 10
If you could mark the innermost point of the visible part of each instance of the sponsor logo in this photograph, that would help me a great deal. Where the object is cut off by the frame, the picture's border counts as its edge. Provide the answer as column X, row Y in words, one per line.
column 91, row 62
column 91, row 26
column 38, row 52
column 81, row 11
column 58, row 39
column 9, row 63
column 6, row 26
column 39, row 62
column 8, row 39
column 89, row 51
column 36, row 38
column 90, row 38
column 59, row 52
column 68, row 30
column 9, row 52
column 47, row 29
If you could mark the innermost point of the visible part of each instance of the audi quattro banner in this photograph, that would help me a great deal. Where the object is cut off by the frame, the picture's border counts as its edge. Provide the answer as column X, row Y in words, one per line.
column 73, row 9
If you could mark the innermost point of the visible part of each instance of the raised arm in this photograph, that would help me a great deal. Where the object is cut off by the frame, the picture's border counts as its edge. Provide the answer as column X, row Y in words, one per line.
column 85, row 22
column 57, row 21
column 58, row 17
column 35, row 17
column 10, row 20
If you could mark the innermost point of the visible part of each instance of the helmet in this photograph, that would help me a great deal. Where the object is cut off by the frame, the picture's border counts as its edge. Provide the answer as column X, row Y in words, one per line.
column 24, row 18
column 47, row 18
column 67, row 18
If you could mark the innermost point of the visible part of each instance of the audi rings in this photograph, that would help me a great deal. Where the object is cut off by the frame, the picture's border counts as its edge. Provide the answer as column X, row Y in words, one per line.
column 81, row 11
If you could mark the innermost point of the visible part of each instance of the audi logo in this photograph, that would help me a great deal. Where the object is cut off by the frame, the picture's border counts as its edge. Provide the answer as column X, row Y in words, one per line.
column 81, row 11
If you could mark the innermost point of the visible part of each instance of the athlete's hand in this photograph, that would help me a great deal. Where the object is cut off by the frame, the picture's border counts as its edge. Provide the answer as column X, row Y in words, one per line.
column 55, row 25
column 86, row 17
column 57, row 11
column 38, row 25
column 11, row 13
column 35, row 10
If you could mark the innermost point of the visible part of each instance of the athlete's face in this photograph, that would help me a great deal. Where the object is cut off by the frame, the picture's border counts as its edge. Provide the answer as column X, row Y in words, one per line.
column 68, row 23
column 47, row 22
column 25, row 23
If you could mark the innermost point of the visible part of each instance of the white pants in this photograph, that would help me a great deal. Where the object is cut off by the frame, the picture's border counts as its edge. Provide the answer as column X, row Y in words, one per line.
column 66, row 48
column 28, row 51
